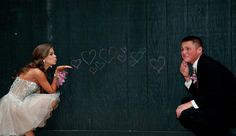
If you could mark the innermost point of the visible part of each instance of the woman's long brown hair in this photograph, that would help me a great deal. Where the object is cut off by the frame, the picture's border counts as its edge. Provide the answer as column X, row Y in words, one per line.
column 39, row 54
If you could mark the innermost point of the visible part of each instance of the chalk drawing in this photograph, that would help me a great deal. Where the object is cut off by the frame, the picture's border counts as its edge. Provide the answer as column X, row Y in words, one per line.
column 124, row 50
column 122, row 57
column 107, row 55
column 93, row 70
column 88, row 57
column 143, row 50
column 76, row 63
column 158, row 64
column 135, row 57
column 99, row 65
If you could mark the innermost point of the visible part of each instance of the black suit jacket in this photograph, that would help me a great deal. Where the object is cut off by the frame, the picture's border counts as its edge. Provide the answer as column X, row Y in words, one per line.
column 216, row 85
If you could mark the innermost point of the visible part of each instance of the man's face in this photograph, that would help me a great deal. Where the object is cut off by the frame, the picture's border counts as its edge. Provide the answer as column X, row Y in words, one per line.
column 190, row 52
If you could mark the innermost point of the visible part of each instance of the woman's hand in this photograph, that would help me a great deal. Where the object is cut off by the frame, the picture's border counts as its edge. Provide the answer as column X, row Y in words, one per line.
column 60, row 74
column 62, row 67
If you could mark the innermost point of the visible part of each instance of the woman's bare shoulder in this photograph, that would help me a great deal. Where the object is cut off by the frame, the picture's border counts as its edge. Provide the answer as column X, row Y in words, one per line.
column 36, row 71
column 31, row 74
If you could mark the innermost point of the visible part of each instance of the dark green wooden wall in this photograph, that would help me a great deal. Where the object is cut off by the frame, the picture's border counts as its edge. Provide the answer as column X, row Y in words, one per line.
column 125, row 54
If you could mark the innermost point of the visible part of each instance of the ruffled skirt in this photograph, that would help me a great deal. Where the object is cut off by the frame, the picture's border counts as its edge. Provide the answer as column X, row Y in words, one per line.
column 19, row 116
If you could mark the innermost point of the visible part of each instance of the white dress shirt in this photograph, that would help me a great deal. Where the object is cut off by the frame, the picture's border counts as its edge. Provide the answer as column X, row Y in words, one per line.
column 188, row 83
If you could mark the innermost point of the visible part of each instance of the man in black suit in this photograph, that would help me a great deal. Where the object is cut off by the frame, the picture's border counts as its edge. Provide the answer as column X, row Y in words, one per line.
column 211, row 110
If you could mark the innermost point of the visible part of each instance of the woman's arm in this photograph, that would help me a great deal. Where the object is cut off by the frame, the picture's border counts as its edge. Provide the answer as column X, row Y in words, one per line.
column 44, row 83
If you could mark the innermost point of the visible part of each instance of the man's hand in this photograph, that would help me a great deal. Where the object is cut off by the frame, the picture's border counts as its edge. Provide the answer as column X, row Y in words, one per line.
column 184, row 70
column 183, row 107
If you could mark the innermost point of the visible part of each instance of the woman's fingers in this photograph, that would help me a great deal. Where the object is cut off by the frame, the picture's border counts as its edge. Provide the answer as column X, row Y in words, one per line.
column 63, row 67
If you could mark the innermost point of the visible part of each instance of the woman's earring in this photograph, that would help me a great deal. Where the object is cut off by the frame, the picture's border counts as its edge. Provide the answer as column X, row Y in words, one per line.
column 43, row 61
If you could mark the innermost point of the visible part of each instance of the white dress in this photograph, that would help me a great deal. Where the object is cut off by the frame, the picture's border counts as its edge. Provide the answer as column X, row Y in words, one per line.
column 23, row 109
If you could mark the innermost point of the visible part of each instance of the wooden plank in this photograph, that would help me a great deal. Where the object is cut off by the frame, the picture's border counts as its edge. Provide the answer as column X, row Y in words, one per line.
column 197, row 17
column 219, row 39
column 165, row 26
column 137, row 65
column 233, row 35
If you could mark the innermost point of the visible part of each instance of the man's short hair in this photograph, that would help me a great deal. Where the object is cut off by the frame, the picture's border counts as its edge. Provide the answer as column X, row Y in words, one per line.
column 194, row 39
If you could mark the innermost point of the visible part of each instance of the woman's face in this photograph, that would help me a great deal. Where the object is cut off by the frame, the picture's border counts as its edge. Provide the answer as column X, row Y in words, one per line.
column 51, row 59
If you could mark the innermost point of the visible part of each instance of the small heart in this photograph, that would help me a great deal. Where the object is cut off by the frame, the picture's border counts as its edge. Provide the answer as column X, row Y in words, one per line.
column 158, row 64
column 136, row 57
column 122, row 58
column 88, row 57
column 99, row 65
column 76, row 63
column 93, row 70
column 124, row 50
column 107, row 55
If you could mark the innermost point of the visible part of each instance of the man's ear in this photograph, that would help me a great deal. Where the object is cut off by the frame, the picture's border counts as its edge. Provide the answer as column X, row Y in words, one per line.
column 199, row 49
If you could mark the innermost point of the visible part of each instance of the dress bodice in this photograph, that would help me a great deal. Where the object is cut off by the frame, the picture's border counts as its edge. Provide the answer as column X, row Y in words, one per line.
column 22, row 88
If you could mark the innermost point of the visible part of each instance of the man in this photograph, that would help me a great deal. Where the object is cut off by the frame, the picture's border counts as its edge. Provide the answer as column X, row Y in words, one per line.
column 211, row 110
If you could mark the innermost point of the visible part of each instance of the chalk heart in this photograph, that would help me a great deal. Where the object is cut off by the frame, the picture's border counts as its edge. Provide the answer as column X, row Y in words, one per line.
column 136, row 56
column 122, row 58
column 124, row 50
column 76, row 63
column 93, row 70
column 107, row 55
column 99, row 65
column 88, row 57
column 158, row 64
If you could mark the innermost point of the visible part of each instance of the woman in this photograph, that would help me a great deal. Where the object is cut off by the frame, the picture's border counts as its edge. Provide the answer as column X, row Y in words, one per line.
column 23, row 109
